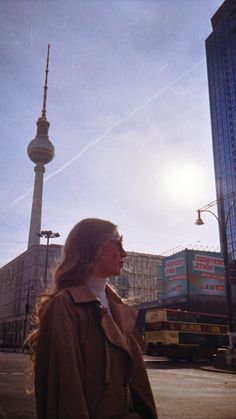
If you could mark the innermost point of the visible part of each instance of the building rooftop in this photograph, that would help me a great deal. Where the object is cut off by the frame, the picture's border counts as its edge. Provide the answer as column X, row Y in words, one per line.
column 224, row 10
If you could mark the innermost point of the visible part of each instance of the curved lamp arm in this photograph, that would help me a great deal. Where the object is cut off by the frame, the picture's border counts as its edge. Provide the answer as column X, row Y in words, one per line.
column 199, row 220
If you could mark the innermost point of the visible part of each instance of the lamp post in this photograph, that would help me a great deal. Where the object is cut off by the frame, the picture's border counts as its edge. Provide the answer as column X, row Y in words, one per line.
column 222, row 221
column 47, row 234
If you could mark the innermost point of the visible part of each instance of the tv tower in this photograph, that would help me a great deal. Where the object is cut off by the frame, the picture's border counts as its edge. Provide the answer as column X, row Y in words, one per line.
column 41, row 151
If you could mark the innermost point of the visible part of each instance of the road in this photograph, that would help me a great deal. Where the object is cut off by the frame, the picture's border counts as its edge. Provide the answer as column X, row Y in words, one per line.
column 16, row 387
column 181, row 390
column 190, row 391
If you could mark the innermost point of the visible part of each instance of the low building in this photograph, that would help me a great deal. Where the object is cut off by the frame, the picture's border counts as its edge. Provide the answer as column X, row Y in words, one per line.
column 140, row 280
column 22, row 281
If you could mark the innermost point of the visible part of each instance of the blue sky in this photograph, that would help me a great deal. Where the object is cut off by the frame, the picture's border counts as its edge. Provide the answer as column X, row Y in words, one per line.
column 129, row 112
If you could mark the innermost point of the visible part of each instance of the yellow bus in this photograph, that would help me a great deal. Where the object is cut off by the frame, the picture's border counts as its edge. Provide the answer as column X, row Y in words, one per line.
column 183, row 334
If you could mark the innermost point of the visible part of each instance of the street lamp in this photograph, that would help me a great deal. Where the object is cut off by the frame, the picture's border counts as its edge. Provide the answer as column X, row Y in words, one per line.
column 222, row 221
column 47, row 234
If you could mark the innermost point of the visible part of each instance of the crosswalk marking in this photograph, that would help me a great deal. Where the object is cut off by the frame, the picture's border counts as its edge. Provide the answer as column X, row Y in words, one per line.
column 11, row 373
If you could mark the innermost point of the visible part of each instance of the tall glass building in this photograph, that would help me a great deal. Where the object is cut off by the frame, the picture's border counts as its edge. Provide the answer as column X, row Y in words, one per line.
column 221, row 66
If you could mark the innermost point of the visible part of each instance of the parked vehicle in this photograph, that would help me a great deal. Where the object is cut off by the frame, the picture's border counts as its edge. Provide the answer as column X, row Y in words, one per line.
column 182, row 334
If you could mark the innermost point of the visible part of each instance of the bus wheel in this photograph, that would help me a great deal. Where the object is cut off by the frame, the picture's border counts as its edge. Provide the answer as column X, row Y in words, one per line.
column 150, row 349
column 193, row 356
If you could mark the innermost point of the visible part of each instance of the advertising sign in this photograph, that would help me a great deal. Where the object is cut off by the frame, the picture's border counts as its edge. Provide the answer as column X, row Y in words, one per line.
column 205, row 273
column 174, row 275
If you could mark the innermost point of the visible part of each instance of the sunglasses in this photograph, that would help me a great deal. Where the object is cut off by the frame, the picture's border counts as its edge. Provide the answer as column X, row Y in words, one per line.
column 118, row 242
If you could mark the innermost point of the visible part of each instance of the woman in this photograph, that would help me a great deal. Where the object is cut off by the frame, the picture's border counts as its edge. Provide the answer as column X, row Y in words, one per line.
column 88, row 362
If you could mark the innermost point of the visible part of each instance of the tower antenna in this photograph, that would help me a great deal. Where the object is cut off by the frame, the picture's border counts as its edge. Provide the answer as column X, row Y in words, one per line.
column 45, row 86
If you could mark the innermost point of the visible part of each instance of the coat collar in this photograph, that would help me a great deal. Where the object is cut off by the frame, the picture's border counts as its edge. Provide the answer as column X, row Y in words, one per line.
column 82, row 294
column 124, row 315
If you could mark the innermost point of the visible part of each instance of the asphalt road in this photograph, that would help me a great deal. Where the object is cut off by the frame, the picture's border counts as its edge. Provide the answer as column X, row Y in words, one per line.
column 16, row 387
column 192, row 391
column 181, row 390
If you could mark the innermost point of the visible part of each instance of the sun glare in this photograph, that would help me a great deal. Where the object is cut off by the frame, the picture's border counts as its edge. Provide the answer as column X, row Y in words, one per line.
column 183, row 184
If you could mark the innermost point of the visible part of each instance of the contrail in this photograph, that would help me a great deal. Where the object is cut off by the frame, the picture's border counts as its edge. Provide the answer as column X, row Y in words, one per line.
column 124, row 119
column 17, row 200
column 108, row 131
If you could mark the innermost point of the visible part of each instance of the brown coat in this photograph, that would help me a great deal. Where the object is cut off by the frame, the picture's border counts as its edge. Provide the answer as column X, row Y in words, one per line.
column 85, row 360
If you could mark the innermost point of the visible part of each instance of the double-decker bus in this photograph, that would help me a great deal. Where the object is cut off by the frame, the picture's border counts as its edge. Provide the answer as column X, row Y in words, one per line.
column 183, row 334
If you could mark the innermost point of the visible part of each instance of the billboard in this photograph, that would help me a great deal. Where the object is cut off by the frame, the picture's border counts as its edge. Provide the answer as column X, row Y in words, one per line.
column 193, row 272
column 206, row 273
column 174, row 275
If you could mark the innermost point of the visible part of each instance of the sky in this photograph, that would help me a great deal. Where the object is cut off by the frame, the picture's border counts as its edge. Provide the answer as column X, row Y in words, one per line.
column 129, row 118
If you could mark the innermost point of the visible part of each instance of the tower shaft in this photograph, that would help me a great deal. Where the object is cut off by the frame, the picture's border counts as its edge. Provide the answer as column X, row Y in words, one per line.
column 36, row 211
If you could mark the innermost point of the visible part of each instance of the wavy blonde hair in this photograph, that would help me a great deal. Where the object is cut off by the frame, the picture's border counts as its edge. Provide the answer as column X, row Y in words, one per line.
column 79, row 253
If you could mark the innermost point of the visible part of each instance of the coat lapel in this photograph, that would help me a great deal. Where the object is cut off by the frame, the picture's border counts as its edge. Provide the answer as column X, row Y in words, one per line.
column 124, row 317
column 113, row 332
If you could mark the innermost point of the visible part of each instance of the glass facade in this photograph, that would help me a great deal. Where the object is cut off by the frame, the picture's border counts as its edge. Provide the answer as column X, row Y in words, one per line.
column 221, row 66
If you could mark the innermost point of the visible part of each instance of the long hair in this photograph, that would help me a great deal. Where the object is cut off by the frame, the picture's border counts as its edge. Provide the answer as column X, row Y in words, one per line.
column 80, row 250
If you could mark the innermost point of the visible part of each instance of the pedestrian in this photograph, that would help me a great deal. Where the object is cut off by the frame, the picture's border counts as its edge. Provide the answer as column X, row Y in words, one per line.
column 87, row 358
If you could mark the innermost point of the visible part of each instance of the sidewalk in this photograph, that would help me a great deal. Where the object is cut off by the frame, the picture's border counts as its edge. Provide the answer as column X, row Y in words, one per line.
column 154, row 360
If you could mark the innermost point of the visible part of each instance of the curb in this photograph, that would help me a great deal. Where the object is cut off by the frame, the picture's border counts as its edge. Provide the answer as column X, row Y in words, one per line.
column 212, row 369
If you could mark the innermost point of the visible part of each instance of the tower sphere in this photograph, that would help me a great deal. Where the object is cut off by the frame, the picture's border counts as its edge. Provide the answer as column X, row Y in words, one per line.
column 41, row 150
